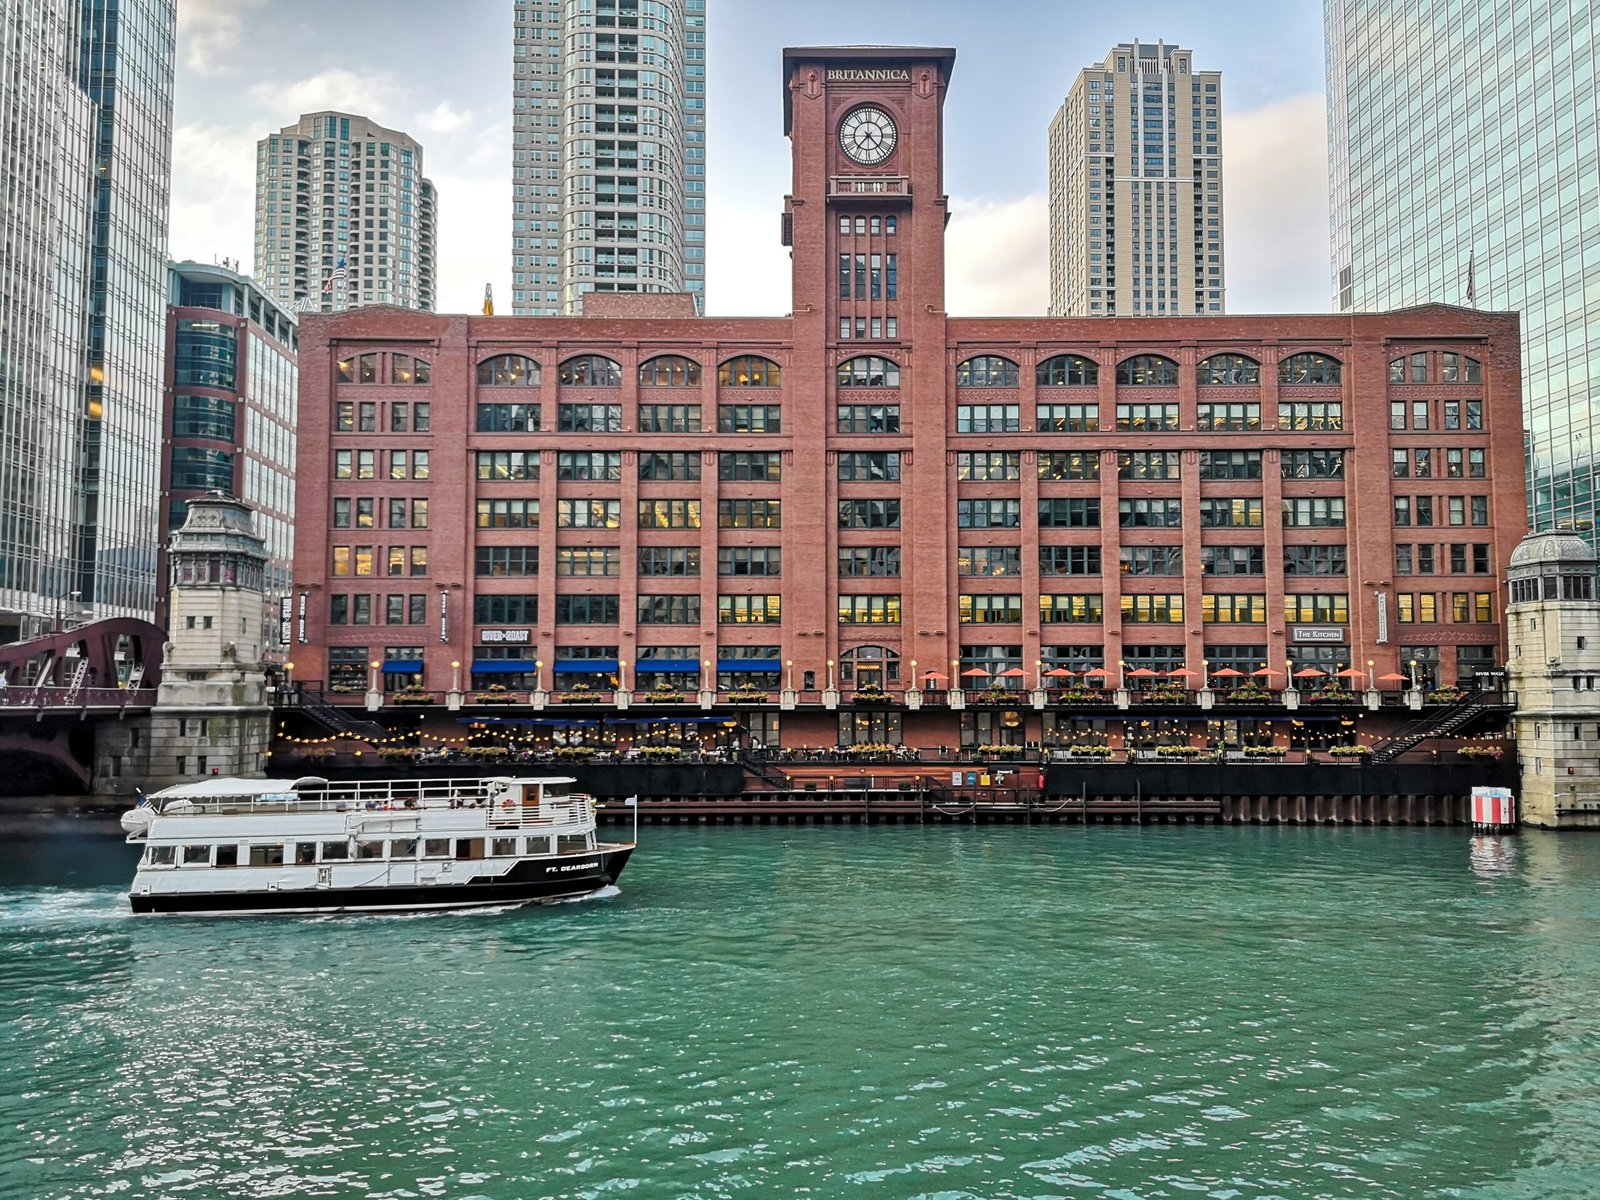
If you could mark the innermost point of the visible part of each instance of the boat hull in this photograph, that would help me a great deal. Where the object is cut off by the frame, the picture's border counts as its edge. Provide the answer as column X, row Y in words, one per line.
column 539, row 880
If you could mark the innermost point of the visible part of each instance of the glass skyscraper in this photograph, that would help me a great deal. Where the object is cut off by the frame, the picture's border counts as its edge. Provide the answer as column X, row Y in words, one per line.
column 86, row 102
column 1463, row 170
column 608, row 151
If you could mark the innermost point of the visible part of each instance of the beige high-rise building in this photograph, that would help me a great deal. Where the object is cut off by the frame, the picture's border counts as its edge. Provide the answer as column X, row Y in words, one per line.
column 1136, row 188
column 344, row 216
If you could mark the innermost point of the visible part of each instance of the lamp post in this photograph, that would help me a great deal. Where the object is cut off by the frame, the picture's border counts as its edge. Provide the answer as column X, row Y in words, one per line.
column 830, row 674
column 622, row 674
column 916, row 683
column 1416, row 679
column 1372, row 682
column 1205, row 675
column 372, row 681
column 455, row 675
column 705, row 675
column 538, row 674
column 288, row 675
column 788, row 666
column 74, row 596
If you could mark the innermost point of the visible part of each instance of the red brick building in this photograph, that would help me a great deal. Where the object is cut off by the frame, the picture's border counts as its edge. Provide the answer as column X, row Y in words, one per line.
column 871, row 491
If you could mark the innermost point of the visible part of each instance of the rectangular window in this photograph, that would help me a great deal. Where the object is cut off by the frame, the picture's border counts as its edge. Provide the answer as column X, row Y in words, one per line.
column 508, row 418
column 749, row 514
column 497, row 466
column 1315, row 560
column 757, row 466
column 749, row 418
column 669, row 418
column 1479, row 506
column 1148, row 464
column 1230, row 464
column 1233, row 560
column 588, row 514
column 671, row 466
column 1240, row 512
column 1311, row 464
column 988, row 514
column 588, row 418
column 869, row 561
column 589, row 466
column 989, row 560
column 588, row 610
column 669, row 610
column 1069, row 512
column 508, row 514
column 504, row 610
column 669, row 514
column 749, row 610
column 988, row 418
column 1248, row 608
column 1308, row 511
column 869, row 514
column 669, row 560
column 1069, row 464
column 750, row 560
column 989, row 609
column 1080, row 608
column 869, row 610
column 988, row 465
column 868, row 418
column 1147, row 418
column 1228, row 417
column 1310, row 416
column 1067, row 418
column 1142, row 513
column 1147, row 609
column 1149, row 560
column 1317, row 610
column 588, row 560
column 507, row 560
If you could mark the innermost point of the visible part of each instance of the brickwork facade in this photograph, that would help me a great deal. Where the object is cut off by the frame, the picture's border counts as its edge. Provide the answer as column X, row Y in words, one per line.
column 869, row 490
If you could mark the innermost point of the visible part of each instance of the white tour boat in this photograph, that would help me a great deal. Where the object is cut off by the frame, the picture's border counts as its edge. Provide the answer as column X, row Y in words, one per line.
column 309, row 846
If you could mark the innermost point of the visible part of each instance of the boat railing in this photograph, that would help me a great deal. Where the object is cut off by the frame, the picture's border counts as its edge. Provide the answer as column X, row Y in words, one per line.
column 506, row 806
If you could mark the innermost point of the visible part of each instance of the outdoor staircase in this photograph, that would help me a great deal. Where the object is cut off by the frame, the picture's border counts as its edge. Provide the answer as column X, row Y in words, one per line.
column 762, row 771
column 1444, row 723
column 336, row 719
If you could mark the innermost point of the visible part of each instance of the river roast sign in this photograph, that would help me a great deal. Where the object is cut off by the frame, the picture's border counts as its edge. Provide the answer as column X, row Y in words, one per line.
column 505, row 637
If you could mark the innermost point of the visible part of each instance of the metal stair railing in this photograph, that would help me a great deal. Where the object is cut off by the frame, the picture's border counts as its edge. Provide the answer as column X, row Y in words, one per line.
column 757, row 767
column 337, row 719
column 1433, row 725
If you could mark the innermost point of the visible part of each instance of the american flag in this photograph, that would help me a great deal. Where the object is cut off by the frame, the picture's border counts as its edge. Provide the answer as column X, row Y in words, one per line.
column 337, row 277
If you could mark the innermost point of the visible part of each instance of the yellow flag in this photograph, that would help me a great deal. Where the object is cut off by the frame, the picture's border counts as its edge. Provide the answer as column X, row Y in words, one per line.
column 488, row 299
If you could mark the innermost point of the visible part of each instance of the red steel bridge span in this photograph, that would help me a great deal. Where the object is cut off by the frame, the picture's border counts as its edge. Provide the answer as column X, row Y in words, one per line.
column 58, row 689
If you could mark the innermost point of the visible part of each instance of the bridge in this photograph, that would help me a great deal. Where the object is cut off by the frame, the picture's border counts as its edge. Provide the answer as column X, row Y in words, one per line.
column 55, row 690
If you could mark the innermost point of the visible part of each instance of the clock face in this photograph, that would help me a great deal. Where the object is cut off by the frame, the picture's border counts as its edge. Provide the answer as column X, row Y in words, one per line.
column 867, row 136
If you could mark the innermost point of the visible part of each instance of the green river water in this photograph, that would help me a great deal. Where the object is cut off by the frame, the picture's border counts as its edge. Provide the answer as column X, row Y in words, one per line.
column 872, row 1012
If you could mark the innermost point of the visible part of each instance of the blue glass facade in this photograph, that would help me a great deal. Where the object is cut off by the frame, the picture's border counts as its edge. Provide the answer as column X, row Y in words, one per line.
column 1463, row 170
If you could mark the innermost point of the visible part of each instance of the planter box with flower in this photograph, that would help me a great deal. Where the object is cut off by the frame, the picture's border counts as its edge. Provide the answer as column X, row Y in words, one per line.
column 660, row 753
column 1352, row 753
column 413, row 694
column 992, row 750
column 1480, row 753
column 747, row 693
column 487, row 753
column 870, row 694
column 1166, row 693
column 1183, row 752
column 661, row 694
column 400, row 753
column 583, row 693
column 572, row 753
column 998, row 695
column 1445, row 695
column 497, row 693
column 871, row 750
column 1087, row 752
column 1078, row 695
column 1263, row 751
column 1250, row 693
column 1331, row 695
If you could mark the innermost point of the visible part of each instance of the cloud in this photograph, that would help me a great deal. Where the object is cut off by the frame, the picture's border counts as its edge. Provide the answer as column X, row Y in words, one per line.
column 369, row 93
column 442, row 119
column 1275, row 207
column 997, row 257
column 208, row 34
column 213, row 193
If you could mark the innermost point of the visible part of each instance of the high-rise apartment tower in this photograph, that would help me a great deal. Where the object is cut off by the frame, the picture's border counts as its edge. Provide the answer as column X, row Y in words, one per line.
column 608, row 151
column 344, row 216
column 86, row 102
column 1136, row 188
column 1462, row 168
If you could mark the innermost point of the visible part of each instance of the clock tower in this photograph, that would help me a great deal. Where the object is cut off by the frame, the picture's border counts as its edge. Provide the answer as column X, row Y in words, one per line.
column 866, row 220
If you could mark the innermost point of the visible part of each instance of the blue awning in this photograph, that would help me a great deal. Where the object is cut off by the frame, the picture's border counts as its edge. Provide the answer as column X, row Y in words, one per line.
column 749, row 664
column 678, row 665
column 586, row 666
column 402, row 666
column 502, row 666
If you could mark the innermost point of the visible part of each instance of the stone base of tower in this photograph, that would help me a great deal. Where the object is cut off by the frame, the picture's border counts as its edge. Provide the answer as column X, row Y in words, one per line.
column 1561, row 803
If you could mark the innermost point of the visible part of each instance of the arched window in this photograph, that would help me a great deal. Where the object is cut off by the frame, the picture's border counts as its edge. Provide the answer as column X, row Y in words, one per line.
column 403, row 368
column 987, row 370
column 1228, row 369
column 1068, row 370
column 1412, row 368
column 669, row 370
column 1147, row 370
column 1310, row 368
column 508, row 370
column 749, row 370
column 868, row 665
column 590, row 370
column 868, row 370
column 1459, row 368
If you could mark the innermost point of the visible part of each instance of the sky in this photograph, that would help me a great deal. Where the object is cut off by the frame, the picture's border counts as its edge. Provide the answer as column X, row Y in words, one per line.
column 441, row 72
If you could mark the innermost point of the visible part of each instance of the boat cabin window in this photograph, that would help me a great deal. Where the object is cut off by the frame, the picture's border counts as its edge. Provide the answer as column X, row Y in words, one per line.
column 404, row 848
column 228, row 855
column 266, row 856
column 572, row 843
column 504, row 847
column 369, row 849
column 436, row 848
column 305, row 853
column 335, row 851
column 555, row 791
column 469, row 849
column 194, row 856
column 161, row 856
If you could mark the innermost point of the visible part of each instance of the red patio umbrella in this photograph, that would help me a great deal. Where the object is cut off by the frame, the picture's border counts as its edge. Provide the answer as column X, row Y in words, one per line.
column 1391, row 678
column 975, row 673
column 1058, row 673
column 1141, row 673
column 1227, row 673
column 1183, row 672
column 1350, row 673
column 934, row 675
column 1309, row 673
column 1266, row 671
column 1101, row 671
column 1014, row 673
